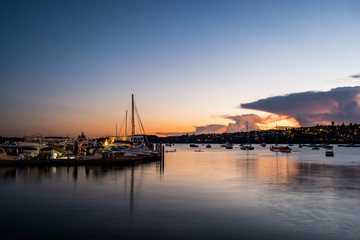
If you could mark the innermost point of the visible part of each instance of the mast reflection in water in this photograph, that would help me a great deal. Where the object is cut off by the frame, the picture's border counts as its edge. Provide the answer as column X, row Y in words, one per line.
column 217, row 193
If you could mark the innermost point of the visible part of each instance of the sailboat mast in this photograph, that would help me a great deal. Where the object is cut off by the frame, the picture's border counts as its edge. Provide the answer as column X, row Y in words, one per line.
column 247, row 131
column 126, row 123
column 132, row 115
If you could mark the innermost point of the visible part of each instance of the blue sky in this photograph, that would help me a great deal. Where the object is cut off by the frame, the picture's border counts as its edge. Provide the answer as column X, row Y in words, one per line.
column 73, row 64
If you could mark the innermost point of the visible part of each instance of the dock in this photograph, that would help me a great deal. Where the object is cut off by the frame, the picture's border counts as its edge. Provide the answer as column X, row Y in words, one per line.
column 105, row 159
column 77, row 162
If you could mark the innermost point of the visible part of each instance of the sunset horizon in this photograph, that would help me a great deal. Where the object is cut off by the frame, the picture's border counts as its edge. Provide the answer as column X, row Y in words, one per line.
column 67, row 67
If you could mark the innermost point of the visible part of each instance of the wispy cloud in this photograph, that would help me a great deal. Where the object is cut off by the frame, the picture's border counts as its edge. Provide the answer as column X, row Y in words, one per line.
column 308, row 108
column 349, row 80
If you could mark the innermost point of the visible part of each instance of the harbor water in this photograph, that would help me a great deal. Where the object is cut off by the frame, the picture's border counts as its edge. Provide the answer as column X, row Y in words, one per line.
column 216, row 193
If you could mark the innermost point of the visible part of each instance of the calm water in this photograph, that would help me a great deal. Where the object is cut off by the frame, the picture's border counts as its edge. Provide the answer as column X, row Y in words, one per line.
column 215, row 194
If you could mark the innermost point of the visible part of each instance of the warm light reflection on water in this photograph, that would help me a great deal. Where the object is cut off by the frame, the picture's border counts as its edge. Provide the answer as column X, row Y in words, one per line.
column 214, row 194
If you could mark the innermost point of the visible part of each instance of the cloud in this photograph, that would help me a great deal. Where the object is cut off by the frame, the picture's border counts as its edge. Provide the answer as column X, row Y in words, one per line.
column 244, row 122
column 241, row 122
column 309, row 108
column 212, row 128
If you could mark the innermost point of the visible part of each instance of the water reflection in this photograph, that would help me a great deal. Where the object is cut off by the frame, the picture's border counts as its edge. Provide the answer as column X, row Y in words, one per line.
column 212, row 195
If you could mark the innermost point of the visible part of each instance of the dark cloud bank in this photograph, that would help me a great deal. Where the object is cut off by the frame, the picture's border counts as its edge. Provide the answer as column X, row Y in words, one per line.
column 309, row 108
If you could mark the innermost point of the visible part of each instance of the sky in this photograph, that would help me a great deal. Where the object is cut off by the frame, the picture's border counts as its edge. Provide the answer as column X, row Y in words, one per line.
column 193, row 66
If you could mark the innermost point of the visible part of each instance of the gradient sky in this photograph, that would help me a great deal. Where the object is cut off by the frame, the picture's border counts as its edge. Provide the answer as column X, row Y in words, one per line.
column 67, row 66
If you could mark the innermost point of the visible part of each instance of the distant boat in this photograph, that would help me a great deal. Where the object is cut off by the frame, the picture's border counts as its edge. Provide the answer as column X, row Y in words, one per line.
column 263, row 144
column 208, row 146
column 300, row 146
column 193, row 145
column 168, row 144
column 274, row 148
column 198, row 150
column 174, row 150
column 327, row 146
column 248, row 145
column 285, row 149
column 329, row 153
column 228, row 145
column 316, row 148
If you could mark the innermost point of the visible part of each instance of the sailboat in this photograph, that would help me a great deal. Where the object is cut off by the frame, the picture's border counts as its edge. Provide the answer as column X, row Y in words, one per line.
column 275, row 148
column 134, row 145
column 247, row 146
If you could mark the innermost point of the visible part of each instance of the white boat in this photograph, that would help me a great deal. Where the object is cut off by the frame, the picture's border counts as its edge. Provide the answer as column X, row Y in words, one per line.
column 134, row 145
column 8, row 152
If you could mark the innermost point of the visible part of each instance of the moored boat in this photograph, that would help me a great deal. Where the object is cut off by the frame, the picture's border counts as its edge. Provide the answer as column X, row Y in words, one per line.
column 285, row 149
column 228, row 145
column 329, row 153
column 274, row 148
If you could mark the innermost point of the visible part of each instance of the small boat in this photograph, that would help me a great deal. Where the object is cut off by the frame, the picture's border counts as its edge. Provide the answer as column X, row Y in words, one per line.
column 300, row 145
column 285, row 149
column 274, row 148
column 168, row 144
column 327, row 146
column 208, row 146
column 193, row 145
column 174, row 150
column 228, row 145
column 263, row 144
column 246, row 147
column 316, row 148
column 198, row 150
column 329, row 153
